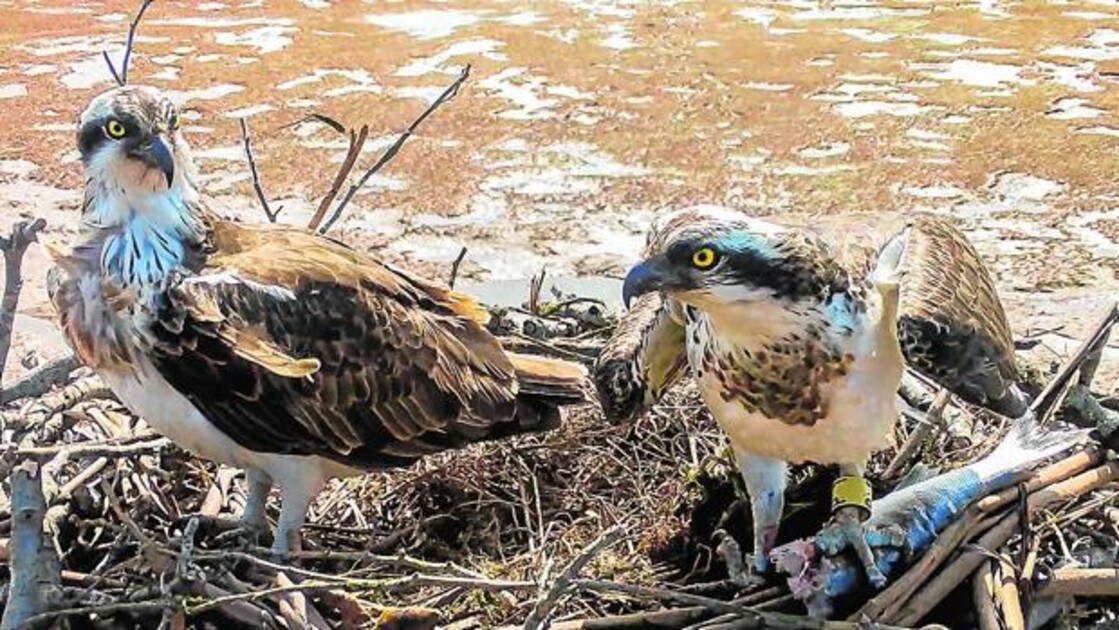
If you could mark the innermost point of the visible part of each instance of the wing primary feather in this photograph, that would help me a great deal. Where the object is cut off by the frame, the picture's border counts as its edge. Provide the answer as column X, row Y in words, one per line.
column 644, row 357
column 338, row 355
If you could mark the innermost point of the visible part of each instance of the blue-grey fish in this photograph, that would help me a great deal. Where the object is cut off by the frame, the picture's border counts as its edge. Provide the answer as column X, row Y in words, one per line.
column 904, row 523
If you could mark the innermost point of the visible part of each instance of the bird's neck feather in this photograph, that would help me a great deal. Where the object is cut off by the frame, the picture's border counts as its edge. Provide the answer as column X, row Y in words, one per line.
column 841, row 319
column 755, row 325
column 144, row 235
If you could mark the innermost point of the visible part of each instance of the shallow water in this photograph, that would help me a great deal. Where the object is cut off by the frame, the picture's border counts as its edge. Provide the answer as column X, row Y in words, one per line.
column 584, row 118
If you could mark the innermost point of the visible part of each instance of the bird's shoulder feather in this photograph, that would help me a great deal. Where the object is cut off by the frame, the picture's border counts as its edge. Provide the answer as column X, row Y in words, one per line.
column 951, row 321
column 294, row 343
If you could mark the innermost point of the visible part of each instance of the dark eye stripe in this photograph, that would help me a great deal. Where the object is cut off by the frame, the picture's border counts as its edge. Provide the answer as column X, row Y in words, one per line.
column 92, row 134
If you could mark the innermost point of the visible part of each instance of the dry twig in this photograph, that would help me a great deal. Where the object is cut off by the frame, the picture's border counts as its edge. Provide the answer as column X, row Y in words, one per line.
column 248, row 143
column 14, row 247
column 983, row 594
column 748, row 617
column 357, row 142
column 1050, row 398
column 122, row 77
column 454, row 267
column 391, row 152
column 1082, row 582
column 39, row 411
column 933, row 420
column 41, row 380
column 1007, row 596
column 114, row 449
column 538, row 618
column 33, row 565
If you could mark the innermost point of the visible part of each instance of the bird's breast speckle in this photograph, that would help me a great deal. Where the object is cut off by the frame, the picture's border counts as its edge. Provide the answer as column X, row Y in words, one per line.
column 786, row 379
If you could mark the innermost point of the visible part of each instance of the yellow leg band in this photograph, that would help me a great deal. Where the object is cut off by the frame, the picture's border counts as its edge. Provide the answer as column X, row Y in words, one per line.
column 850, row 491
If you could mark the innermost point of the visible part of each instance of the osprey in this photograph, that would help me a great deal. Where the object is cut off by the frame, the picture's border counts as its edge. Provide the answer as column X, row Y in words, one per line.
column 797, row 337
column 270, row 348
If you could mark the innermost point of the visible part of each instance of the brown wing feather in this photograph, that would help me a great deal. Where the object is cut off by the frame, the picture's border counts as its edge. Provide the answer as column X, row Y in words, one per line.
column 644, row 356
column 89, row 331
column 951, row 323
column 292, row 343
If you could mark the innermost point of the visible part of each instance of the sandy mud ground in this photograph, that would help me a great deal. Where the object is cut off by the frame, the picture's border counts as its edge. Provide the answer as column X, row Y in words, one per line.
column 583, row 119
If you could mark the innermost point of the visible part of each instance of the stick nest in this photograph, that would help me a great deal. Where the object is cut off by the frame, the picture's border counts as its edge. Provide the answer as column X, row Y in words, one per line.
column 474, row 538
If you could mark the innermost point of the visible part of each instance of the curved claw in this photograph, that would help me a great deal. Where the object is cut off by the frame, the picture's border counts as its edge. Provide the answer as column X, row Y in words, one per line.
column 887, row 536
column 846, row 530
column 740, row 572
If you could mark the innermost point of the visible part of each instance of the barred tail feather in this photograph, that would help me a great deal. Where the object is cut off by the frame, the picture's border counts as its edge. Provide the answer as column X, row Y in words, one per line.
column 561, row 381
column 545, row 385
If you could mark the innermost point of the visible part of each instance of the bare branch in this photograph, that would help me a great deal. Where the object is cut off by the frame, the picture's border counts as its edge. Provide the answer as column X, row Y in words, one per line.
column 934, row 420
column 323, row 118
column 247, row 140
column 33, row 564
column 391, row 152
column 41, row 380
column 751, row 617
column 14, row 247
column 414, row 580
column 122, row 77
column 1051, row 397
column 454, row 267
column 39, row 411
column 94, row 449
column 357, row 142
column 535, row 287
column 564, row 583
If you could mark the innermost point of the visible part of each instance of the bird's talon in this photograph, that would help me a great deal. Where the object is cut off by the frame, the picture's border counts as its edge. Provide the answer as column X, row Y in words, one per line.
column 743, row 570
column 887, row 536
column 848, row 530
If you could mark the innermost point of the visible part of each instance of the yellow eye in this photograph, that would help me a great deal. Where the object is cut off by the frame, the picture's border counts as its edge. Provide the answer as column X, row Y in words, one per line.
column 115, row 130
column 704, row 258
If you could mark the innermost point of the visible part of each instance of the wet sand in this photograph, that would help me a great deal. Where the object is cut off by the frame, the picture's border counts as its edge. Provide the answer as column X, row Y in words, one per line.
column 583, row 119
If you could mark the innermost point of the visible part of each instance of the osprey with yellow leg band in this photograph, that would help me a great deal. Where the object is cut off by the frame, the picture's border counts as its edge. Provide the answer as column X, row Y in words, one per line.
column 797, row 334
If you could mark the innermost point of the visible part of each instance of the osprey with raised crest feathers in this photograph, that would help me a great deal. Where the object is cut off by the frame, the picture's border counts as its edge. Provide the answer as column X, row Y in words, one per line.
column 270, row 348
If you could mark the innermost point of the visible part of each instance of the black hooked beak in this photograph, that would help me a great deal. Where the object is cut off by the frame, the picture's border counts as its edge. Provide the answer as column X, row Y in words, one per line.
column 645, row 277
column 154, row 153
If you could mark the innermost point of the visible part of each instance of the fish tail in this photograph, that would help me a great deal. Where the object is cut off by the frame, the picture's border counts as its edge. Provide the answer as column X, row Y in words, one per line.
column 1028, row 443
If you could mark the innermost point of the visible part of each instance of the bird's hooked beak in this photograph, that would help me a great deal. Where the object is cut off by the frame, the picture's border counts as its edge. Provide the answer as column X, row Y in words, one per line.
column 153, row 152
column 645, row 277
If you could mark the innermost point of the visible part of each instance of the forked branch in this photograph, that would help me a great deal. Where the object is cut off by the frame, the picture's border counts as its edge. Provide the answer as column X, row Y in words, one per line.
column 122, row 76
column 247, row 140
column 388, row 155
column 14, row 247
column 357, row 142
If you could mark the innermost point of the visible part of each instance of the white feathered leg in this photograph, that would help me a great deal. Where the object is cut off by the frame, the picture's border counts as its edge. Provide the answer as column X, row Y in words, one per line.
column 256, row 500
column 296, row 491
column 765, row 480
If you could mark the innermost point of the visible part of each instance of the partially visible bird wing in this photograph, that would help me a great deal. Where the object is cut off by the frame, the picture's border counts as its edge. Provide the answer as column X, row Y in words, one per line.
column 643, row 358
column 951, row 323
column 290, row 343
column 90, row 332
